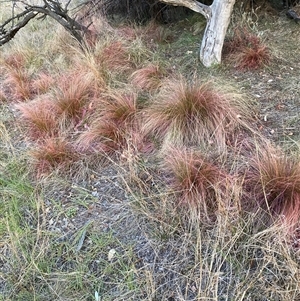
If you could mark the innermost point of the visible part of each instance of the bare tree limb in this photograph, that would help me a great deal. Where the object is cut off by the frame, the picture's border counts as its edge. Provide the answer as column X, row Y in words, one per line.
column 7, row 35
column 50, row 8
column 194, row 5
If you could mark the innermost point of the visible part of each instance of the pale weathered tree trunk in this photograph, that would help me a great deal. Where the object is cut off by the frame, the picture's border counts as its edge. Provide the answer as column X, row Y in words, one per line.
column 215, row 31
column 218, row 17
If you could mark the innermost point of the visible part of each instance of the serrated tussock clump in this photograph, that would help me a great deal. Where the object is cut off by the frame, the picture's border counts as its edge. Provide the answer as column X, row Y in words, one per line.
column 194, row 113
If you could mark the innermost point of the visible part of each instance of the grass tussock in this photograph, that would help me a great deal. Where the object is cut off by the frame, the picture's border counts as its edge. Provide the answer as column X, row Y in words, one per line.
column 273, row 184
column 197, row 181
column 154, row 33
column 17, row 77
column 39, row 117
column 16, row 60
column 253, row 57
column 72, row 94
column 114, row 56
column 149, row 78
column 53, row 153
column 246, row 51
column 43, row 83
column 18, row 82
column 192, row 114
column 2, row 96
column 111, row 123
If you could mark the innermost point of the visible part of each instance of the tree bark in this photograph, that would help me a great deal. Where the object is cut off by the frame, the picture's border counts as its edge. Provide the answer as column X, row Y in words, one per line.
column 218, row 18
column 215, row 31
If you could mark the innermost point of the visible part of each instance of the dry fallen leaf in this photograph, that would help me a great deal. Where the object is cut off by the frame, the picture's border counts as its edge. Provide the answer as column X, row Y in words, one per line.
column 111, row 254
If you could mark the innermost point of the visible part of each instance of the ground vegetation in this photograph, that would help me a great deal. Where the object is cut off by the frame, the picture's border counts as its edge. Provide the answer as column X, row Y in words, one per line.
column 128, row 171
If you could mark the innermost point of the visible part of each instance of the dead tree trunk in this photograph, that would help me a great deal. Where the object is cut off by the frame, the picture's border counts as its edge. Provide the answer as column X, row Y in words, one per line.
column 218, row 17
column 215, row 31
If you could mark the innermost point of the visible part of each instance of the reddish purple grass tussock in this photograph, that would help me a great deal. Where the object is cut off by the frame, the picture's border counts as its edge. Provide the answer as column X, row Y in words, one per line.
column 15, row 60
column 17, row 78
column 115, row 57
column 194, row 114
column 111, row 124
column 39, row 118
column 274, row 184
column 2, row 96
column 129, row 33
column 253, row 58
column 246, row 50
column 42, row 83
column 19, row 84
column 156, row 33
column 72, row 94
column 53, row 153
column 197, row 181
column 148, row 78
column 103, row 136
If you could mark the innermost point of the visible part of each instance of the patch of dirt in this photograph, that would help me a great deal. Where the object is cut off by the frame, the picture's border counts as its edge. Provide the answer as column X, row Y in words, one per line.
column 276, row 88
